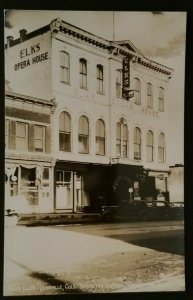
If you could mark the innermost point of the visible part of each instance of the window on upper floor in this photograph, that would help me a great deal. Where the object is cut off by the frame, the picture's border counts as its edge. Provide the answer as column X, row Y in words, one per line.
column 39, row 138
column 100, row 84
column 118, row 83
column 100, row 137
column 121, row 139
column 21, row 136
column 64, row 132
column 161, row 147
column 149, row 145
column 83, row 135
column 83, row 73
column 30, row 137
column 161, row 99
column 137, row 91
column 64, row 67
column 137, row 143
column 149, row 95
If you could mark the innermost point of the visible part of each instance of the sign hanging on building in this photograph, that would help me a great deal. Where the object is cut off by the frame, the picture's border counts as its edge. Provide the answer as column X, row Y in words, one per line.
column 126, row 77
column 126, row 92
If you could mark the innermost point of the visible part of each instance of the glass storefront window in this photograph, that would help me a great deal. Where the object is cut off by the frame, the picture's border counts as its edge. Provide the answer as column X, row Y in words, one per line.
column 28, row 185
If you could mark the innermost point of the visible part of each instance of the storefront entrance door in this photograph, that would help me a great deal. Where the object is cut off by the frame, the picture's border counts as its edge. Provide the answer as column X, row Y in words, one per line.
column 64, row 190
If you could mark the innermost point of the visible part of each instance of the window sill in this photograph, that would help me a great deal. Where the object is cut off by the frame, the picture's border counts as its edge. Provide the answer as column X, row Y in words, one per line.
column 84, row 89
column 83, row 152
column 66, row 83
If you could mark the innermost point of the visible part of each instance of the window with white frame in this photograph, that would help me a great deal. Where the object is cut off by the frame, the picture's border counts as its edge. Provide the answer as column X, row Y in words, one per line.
column 100, row 79
column 64, row 67
column 118, row 83
column 100, row 137
column 83, row 73
column 137, row 91
column 64, row 132
column 39, row 138
column 121, row 139
column 21, row 136
column 83, row 135
column 149, row 145
column 149, row 95
column 137, row 143
column 161, row 99
column 161, row 147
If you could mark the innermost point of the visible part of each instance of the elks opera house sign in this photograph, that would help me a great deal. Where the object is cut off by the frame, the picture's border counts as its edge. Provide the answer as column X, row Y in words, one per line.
column 25, row 53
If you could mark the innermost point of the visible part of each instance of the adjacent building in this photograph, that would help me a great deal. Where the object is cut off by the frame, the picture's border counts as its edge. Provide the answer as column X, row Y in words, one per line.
column 86, row 120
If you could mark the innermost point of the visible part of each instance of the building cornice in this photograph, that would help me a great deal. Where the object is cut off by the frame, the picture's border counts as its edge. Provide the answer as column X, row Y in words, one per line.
column 29, row 99
column 113, row 48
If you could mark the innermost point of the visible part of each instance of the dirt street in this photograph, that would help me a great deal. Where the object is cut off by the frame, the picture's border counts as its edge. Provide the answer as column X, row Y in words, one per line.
column 49, row 261
column 109, row 274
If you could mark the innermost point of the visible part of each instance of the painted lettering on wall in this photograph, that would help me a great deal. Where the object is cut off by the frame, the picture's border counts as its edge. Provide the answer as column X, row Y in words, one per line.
column 28, row 51
column 25, row 53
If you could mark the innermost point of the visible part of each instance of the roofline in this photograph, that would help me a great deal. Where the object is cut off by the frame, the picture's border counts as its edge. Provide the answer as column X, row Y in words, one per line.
column 59, row 26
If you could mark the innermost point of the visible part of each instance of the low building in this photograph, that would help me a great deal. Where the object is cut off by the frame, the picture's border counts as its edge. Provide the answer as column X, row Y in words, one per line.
column 29, row 165
column 176, row 183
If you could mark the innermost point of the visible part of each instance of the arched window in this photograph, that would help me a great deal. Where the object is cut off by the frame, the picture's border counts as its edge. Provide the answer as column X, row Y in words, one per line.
column 161, row 99
column 83, row 73
column 65, row 132
column 118, row 139
column 83, row 135
column 100, row 137
column 137, row 143
column 118, row 83
column 125, row 141
column 137, row 91
column 121, row 139
column 149, row 95
column 161, row 147
column 64, row 67
column 100, row 79
column 149, row 145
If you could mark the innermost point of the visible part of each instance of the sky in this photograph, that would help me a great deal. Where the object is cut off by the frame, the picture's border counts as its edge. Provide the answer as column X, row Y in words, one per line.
column 160, row 36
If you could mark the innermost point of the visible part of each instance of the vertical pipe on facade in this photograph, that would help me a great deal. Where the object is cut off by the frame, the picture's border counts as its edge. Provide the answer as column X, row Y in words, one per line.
column 109, row 141
column 73, row 190
column 110, row 96
column 113, row 26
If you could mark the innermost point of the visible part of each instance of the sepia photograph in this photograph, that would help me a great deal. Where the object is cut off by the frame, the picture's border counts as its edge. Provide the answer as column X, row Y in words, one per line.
column 94, row 152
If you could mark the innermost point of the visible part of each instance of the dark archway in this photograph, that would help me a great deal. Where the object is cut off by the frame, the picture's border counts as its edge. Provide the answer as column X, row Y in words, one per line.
column 121, row 187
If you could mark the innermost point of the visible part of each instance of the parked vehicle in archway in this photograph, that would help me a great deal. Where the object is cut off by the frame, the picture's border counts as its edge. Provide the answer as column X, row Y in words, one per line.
column 137, row 209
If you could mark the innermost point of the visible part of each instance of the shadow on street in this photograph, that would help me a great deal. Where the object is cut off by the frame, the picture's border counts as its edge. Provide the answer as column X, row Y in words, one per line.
column 171, row 242
column 50, row 283
column 61, row 286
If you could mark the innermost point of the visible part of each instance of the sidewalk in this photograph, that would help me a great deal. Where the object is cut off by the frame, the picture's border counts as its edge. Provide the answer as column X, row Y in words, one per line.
column 53, row 218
